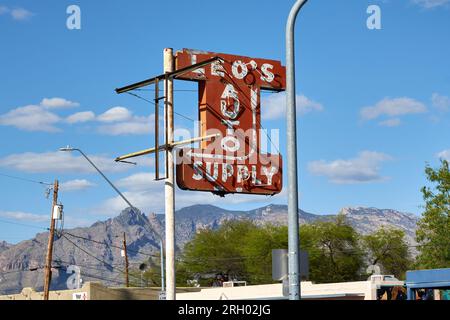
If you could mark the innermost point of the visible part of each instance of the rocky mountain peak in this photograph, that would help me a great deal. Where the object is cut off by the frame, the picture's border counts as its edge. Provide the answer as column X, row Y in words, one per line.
column 361, row 211
column 131, row 216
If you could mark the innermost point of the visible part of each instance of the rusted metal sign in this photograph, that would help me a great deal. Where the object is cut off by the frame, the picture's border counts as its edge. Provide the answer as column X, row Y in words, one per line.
column 229, row 106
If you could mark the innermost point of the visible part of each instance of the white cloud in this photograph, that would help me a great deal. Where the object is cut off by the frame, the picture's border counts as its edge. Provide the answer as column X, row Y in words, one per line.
column 57, row 103
column 76, row 185
column 393, row 108
column 140, row 182
column 115, row 114
column 445, row 155
column 21, row 14
column 24, row 216
column 395, row 122
column 63, row 162
column 136, row 125
column 18, row 14
column 363, row 168
column 31, row 118
column 78, row 117
column 115, row 121
column 440, row 102
column 428, row 4
column 69, row 221
column 36, row 117
column 274, row 106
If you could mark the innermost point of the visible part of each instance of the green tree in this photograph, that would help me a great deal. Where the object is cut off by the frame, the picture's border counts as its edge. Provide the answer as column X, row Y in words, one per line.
column 257, row 251
column 244, row 249
column 218, row 251
column 334, row 252
column 433, row 232
column 388, row 248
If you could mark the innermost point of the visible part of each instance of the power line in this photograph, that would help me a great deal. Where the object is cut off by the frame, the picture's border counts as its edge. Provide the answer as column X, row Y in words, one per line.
column 190, row 119
column 162, row 107
column 259, row 122
column 87, row 252
column 110, row 245
column 175, row 90
column 99, row 277
column 93, row 256
column 25, row 179
column 23, row 224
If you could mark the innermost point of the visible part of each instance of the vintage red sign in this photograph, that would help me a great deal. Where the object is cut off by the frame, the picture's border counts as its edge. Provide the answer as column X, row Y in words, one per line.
column 229, row 106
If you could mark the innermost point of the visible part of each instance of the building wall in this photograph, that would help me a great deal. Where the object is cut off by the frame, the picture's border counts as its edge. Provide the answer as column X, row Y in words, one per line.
column 359, row 290
column 94, row 291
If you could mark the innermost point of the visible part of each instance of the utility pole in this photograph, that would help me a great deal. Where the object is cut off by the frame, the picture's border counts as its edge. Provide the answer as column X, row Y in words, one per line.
column 127, row 283
column 170, row 181
column 291, row 130
column 51, row 236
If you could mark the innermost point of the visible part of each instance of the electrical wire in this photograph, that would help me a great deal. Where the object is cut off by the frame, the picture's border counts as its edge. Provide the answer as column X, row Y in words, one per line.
column 259, row 122
column 162, row 107
column 23, row 224
column 111, row 245
column 161, row 90
column 87, row 252
column 190, row 119
column 25, row 179
column 93, row 256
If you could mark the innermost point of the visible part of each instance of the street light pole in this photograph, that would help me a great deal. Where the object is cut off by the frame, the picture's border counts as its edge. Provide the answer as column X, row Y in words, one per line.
column 125, row 199
column 107, row 180
column 291, row 129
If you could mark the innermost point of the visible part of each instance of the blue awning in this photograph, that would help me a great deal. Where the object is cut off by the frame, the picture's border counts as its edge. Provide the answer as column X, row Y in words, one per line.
column 434, row 278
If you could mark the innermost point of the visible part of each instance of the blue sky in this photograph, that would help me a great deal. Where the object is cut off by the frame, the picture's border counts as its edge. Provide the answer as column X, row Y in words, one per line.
column 374, row 104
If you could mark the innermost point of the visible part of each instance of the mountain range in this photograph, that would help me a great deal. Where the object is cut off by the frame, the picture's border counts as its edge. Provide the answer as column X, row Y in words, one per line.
column 97, row 249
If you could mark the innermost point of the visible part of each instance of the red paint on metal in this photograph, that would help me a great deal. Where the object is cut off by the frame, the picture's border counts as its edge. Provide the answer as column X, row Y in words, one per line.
column 229, row 105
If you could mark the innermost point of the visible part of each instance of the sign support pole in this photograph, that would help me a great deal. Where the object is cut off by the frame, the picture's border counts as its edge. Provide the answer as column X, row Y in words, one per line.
column 293, row 223
column 170, row 181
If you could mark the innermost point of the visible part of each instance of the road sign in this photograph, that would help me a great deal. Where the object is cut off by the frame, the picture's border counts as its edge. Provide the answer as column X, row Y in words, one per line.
column 162, row 295
column 229, row 106
column 280, row 264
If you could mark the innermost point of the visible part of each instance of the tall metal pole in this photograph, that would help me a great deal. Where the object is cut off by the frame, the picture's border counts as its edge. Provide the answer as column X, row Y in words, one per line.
column 127, row 282
column 169, row 183
column 162, row 265
column 51, row 236
column 291, row 128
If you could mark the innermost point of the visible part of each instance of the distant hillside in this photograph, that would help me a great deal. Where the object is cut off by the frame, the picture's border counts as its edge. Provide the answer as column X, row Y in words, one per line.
column 191, row 219
column 4, row 245
column 96, row 249
column 98, row 257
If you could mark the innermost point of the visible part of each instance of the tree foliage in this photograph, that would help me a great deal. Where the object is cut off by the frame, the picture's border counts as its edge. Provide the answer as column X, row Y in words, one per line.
column 334, row 252
column 219, row 251
column 243, row 250
column 388, row 248
column 433, row 233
